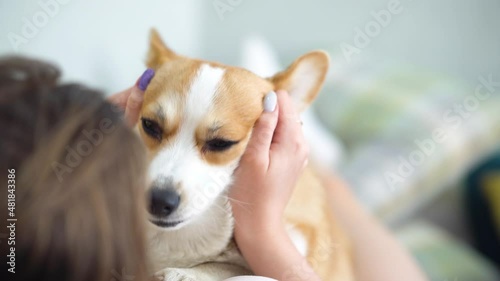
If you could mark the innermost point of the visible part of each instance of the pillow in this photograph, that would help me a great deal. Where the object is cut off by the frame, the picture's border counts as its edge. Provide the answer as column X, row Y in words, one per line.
column 326, row 151
column 409, row 134
column 444, row 258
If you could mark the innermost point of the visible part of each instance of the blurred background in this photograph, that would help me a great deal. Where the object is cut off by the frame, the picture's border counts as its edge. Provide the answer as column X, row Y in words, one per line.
column 408, row 115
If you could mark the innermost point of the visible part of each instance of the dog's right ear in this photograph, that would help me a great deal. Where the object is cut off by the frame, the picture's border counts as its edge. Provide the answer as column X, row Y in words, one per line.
column 158, row 53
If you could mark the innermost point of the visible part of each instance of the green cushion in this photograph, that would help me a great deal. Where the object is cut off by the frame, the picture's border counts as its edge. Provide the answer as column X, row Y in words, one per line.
column 444, row 258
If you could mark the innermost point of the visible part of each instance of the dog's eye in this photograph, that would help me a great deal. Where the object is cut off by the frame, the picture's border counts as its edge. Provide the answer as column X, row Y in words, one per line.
column 152, row 128
column 218, row 145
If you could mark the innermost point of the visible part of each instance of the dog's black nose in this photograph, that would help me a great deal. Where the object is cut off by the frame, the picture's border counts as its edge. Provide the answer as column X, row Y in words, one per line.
column 163, row 201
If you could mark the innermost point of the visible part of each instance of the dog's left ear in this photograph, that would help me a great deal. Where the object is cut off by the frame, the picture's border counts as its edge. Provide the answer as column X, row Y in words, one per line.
column 304, row 78
column 159, row 53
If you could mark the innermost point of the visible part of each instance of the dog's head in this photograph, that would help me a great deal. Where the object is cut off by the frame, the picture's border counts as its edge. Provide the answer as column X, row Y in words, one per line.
column 196, row 119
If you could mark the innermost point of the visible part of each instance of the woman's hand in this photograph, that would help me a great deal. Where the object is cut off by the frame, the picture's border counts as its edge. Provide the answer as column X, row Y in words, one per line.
column 275, row 157
column 131, row 99
column 264, row 181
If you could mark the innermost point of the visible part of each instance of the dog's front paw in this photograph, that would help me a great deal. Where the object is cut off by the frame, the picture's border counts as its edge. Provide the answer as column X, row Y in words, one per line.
column 174, row 274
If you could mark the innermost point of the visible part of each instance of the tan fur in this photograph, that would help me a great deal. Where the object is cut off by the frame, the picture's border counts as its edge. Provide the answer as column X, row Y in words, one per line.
column 236, row 109
column 235, row 115
column 282, row 80
column 181, row 71
column 158, row 52
column 329, row 250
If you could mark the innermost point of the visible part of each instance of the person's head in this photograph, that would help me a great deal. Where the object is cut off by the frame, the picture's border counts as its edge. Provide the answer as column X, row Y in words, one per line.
column 78, row 179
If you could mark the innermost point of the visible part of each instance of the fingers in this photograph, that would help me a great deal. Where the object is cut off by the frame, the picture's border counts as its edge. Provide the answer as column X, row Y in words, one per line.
column 131, row 99
column 145, row 79
column 120, row 99
column 133, row 107
column 262, row 135
column 289, row 125
column 288, row 122
column 136, row 97
column 288, row 113
column 288, row 138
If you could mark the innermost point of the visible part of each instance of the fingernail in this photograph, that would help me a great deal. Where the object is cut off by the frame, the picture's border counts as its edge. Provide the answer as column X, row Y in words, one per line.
column 270, row 101
column 145, row 79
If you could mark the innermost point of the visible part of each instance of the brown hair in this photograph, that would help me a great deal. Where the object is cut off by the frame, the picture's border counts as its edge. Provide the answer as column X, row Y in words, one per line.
column 79, row 179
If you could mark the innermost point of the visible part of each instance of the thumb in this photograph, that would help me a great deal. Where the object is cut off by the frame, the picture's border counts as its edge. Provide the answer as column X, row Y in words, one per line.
column 263, row 131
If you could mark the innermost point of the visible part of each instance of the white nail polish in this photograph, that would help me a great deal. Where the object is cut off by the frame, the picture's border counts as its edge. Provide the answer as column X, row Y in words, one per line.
column 270, row 101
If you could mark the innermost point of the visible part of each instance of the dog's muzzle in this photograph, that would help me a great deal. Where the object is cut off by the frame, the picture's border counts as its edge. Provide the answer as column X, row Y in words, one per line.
column 163, row 202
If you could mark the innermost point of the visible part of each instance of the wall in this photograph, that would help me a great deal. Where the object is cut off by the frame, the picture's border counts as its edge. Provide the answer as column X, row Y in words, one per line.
column 101, row 43
column 457, row 37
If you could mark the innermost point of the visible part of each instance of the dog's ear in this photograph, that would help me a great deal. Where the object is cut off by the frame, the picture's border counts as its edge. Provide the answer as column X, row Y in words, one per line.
column 158, row 53
column 304, row 78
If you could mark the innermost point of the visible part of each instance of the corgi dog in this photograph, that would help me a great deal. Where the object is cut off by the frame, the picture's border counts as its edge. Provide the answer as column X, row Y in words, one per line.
column 196, row 119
